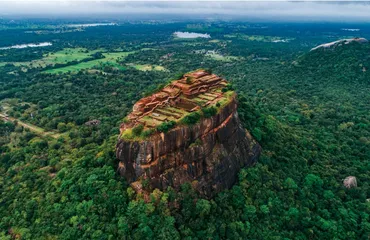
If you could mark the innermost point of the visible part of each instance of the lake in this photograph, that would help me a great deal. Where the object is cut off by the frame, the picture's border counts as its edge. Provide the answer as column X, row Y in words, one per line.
column 90, row 24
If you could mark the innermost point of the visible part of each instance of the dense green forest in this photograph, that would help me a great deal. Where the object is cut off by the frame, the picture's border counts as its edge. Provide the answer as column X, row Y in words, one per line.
column 309, row 110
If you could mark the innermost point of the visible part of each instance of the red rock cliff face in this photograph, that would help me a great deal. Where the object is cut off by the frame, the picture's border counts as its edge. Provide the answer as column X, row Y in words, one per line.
column 209, row 154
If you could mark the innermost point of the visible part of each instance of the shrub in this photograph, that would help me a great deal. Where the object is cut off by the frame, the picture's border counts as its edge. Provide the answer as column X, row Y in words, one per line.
column 154, row 89
column 147, row 132
column 145, row 183
column 127, row 134
column 209, row 112
column 197, row 142
column 136, row 131
column 189, row 80
column 257, row 133
column 191, row 118
column 166, row 126
column 179, row 76
column 228, row 87
column 62, row 127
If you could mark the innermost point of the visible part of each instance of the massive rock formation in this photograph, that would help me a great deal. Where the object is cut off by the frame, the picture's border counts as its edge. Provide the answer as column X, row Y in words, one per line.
column 208, row 154
column 340, row 42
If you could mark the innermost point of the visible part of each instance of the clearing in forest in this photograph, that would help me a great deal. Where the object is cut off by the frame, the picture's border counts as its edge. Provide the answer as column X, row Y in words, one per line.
column 111, row 59
column 38, row 130
column 147, row 67
column 225, row 58
column 258, row 38
column 60, row 57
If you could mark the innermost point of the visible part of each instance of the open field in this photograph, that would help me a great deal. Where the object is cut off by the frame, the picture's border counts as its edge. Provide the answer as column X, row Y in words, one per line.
column 148, row 49
column 69, row 55
column 219, row 57
column 147, row 67
column 258, row 38
column 61, row 57
column 110, row 59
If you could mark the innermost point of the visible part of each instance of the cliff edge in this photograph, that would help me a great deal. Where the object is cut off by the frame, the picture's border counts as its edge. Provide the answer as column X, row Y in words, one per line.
column 188, row 132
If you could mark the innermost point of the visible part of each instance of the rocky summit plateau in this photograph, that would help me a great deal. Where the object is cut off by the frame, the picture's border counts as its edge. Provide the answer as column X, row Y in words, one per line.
column 188, row 132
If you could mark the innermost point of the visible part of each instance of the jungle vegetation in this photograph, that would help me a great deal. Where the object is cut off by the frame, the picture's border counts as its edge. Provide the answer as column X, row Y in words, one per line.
column 309, row 111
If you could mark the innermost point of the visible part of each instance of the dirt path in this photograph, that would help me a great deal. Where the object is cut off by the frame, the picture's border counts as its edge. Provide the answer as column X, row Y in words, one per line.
column 33, row 128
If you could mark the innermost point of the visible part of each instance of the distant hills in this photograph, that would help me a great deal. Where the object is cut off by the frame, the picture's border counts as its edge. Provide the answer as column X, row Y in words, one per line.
column 347, row 58
column 340, row 43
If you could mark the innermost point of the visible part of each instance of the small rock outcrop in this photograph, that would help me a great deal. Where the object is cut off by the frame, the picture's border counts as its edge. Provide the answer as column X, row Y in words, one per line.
column 94, row 122
column 204, row 143
column 339, row 42
column 350, row 182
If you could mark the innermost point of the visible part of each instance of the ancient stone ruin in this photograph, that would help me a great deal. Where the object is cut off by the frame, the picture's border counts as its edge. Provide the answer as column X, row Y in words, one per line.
column 195, row 90
column 208, row 154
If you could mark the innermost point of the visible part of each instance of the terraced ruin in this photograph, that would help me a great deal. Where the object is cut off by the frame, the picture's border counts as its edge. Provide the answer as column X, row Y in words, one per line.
column 193, row 92
column 188, row 132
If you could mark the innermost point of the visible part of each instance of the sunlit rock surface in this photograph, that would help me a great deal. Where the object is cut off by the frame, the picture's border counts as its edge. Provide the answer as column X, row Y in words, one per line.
column 208, row 154
column 339, row 42
column 350, row 182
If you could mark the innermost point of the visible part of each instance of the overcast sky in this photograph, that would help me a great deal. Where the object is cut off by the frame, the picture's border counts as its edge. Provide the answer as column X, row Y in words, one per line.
column 318, row 10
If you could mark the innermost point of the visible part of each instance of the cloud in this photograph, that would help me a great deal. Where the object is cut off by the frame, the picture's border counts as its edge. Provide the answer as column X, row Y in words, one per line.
column 302, row 10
